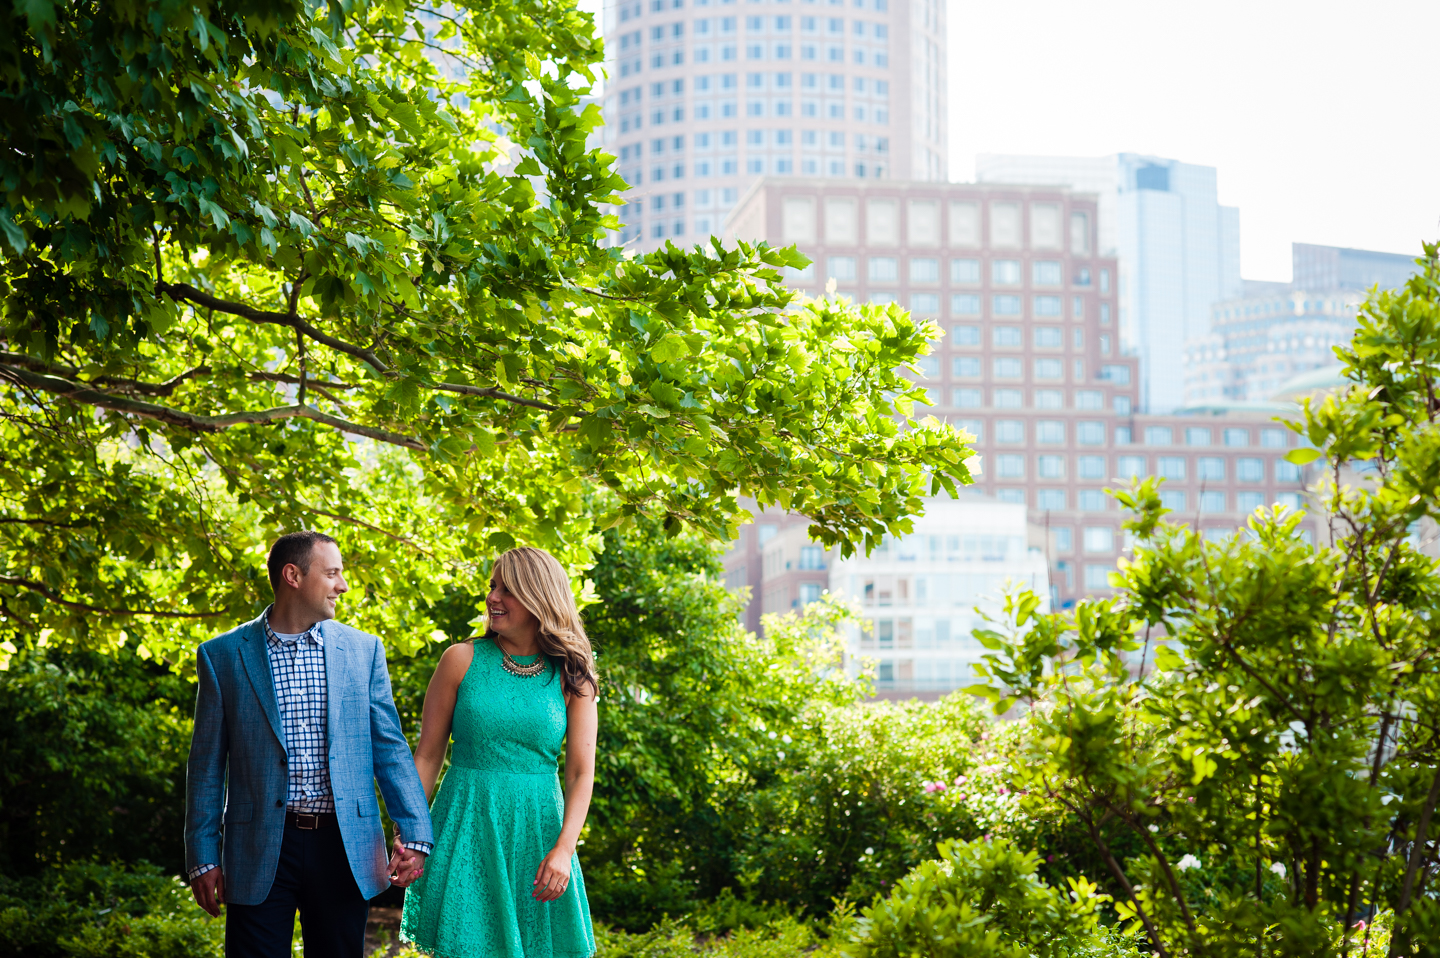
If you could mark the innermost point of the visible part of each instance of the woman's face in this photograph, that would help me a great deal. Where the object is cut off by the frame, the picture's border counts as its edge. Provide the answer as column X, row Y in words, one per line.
column 506, row 615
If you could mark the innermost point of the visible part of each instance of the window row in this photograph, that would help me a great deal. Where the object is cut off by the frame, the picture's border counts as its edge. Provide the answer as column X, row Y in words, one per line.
column 843, row 220
column 1010, row 367
column 1093, row 434
column 1013, row 466
column 1270, row 438
column 782, row 23
column 632, row 10
column 967, row 397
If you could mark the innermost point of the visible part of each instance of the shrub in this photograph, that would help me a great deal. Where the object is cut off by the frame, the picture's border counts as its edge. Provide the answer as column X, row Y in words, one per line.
column 984, row 899
column 88, row 910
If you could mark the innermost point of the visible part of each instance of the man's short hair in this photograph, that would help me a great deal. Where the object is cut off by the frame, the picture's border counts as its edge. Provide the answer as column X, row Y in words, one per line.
column 293, row 548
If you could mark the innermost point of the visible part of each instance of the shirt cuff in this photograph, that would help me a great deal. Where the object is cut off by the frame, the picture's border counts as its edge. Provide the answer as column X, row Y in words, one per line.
column 199, row 870
column 422, row 847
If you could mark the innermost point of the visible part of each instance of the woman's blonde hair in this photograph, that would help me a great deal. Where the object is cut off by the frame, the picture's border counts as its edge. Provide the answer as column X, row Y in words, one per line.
column 537, row 579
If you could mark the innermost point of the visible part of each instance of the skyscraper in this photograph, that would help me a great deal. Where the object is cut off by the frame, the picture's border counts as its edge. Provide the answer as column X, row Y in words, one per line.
column 705, row 96
column 1178, row 250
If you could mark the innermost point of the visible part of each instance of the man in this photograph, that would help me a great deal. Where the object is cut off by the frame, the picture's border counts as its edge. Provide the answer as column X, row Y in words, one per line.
column 294, row 724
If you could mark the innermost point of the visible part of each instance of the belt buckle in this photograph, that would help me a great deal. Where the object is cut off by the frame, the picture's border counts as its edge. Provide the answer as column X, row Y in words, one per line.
column 300, row 818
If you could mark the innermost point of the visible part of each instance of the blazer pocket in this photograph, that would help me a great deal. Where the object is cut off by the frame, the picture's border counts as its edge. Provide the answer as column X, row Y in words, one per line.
column 237, row 813
column 365, row 809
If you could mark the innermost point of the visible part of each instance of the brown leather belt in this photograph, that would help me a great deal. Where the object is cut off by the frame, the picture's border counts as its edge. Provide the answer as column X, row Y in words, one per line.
column 309, row 820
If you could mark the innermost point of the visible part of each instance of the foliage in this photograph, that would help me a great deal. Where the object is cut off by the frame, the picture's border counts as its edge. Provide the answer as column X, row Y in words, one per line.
column 92, row 755
column 1261, row 714
column 983, row 898
column 84, row 910
column 784, row 937
column 273, row 263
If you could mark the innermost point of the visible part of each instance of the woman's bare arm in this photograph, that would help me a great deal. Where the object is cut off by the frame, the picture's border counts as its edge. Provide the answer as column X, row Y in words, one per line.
column 439, row 713
column 582, row 726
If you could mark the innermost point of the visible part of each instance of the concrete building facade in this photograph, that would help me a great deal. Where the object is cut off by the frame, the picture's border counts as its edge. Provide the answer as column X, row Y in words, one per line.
column 705, row 96
column 1029, row 363
column 1178, row 250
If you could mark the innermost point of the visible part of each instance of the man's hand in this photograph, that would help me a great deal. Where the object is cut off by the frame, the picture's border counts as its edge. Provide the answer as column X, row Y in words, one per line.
column 406, row 865
column 209, row 891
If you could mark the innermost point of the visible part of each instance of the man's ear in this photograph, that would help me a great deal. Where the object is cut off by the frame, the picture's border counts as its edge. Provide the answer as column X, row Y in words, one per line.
column 291, row 575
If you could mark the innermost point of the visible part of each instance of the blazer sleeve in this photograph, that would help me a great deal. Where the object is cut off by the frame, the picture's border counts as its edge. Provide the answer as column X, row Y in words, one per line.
column 205, row 771
column 394, row 765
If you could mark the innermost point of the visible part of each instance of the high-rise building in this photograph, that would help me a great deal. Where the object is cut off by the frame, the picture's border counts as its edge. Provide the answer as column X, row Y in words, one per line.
column 705, row 96
column 1178, row 250
column 1029, row 363
column 1274, row 332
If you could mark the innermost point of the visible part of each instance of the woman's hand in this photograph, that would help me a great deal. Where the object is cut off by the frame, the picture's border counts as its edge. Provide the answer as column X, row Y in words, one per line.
column 553, row 876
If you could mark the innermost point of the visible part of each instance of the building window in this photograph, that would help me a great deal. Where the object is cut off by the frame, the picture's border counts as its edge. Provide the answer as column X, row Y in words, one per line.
column 1290, row 500
column 1092, row 500
column 1048, row 337
column 1089, row 399
column 1197, row 436
column 967, row 399
column 1210, row 468
column 964, row 271
column 1272, row 438
column 1286, row 471
column 1097, row 576
column 1092, row 467
column 965, row 367
column 1046, row 272
column 1050, row 499
column 1250, row 470
column 1008, row 399
column 1121, row 405
column 1015, row 496
column 1090, row 433
column 926, row 304
column 1079, row 233
column 1131, row 467
column 965, row 335
column 1006, row 335
column 809, row 592
column 1064, row 539
column 1049, row 399
column 1173, row 499
column 924, row 269
column 1050, row 431
column 1212, row 502
column 1051, row 467
column 841, row 268
column 1117, row 374
column 1248, row 502
column 1009, row 431
column 1047, row 305
column 965, row 304
column 812, row 557
column 1010, row 467
column 1004, row 305
column 1099, row 539
column 1005, row 272
column 884, row 269
column 1007, row 368
column 975, row 427
column 1159, row 436
column 1237, row 437
column 1170, row 467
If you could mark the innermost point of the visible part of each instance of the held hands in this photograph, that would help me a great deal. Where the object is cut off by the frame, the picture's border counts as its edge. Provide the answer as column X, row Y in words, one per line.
column 406, row 865
column 209, row 891
column 553, row 876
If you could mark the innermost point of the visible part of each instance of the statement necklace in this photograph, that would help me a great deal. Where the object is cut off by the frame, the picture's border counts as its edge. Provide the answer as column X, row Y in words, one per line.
column 524, row 671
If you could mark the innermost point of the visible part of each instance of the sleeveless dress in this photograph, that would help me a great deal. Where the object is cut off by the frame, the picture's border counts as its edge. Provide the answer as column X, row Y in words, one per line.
column 496, row 815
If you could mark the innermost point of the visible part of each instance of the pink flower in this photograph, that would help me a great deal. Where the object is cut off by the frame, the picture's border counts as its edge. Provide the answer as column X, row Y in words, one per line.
column 959, row 779
column 934, row 786
column 1003, row 790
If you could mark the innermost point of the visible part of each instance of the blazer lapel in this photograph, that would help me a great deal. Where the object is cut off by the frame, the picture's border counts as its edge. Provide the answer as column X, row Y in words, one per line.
column 257, row 667
column 337, row 676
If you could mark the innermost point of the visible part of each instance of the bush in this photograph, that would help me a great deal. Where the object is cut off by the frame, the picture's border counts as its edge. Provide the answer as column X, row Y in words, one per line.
column 86, row 910
column 783, row 937
column 92, row 759
column 984, row 899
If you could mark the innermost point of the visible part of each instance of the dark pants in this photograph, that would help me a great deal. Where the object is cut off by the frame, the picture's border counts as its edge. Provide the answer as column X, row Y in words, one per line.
column 314, row 876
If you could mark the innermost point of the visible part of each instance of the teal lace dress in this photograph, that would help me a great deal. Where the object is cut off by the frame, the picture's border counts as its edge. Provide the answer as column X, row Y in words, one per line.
column 497, row 814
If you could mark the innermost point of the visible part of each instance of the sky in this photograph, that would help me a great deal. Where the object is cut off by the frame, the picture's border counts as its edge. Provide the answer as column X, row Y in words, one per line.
column 1321, row 118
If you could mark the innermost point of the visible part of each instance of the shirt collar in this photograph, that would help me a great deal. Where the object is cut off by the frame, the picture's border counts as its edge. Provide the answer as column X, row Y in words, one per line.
column 311, row 635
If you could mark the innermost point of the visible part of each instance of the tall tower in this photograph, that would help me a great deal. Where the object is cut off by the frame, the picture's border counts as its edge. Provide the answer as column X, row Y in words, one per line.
column 706, row 96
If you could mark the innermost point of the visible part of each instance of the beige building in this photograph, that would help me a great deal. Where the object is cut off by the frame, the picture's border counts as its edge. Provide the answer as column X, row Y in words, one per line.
column 1030, row 362
column 705, row 96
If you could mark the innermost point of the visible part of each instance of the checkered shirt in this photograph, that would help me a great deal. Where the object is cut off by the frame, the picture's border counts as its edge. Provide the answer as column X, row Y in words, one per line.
column 297, row 666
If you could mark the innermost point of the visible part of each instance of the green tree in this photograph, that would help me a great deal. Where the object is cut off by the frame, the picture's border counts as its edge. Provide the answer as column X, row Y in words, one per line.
column 270, row 263
column 1263, row 714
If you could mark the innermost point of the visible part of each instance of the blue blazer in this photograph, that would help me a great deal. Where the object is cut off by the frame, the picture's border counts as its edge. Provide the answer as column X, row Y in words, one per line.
column 236, row 782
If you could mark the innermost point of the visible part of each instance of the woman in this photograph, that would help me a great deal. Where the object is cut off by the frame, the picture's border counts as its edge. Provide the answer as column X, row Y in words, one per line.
column 503, row 880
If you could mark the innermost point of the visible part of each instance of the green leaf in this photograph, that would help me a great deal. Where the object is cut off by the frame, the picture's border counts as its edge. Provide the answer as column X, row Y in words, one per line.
column 1302, row 455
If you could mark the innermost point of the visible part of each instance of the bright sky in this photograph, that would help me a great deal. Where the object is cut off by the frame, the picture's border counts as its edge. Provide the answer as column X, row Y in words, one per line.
column 1320, row 116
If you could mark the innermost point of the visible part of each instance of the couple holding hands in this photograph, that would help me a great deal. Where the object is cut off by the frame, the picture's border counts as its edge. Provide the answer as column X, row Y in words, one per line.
column 295, row 725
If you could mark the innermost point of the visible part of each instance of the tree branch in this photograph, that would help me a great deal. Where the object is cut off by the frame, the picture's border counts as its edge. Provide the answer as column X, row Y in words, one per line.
column 76, row 392
column 493, row 393
column 188, row 293
column 82, row 607
column 134, row 385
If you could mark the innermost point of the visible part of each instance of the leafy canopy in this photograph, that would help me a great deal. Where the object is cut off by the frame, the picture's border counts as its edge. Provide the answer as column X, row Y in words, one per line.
column 272, row 263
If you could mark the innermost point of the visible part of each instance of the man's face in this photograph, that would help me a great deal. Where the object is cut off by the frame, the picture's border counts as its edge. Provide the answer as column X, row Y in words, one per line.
column 323, row 584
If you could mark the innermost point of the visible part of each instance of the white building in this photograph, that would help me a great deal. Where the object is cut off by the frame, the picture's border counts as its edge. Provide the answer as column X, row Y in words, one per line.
column 919, row 594
column 1178, row 250
column 705, row 96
